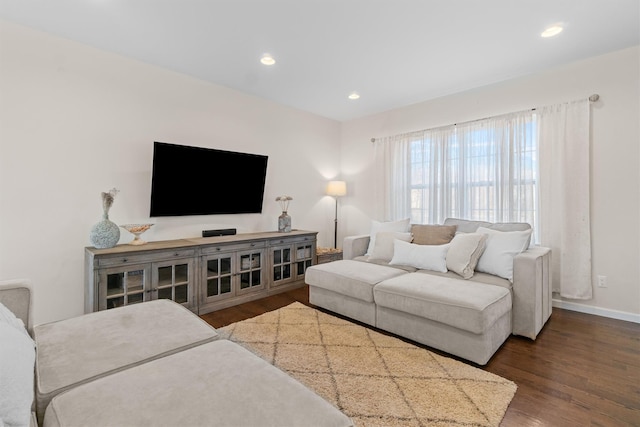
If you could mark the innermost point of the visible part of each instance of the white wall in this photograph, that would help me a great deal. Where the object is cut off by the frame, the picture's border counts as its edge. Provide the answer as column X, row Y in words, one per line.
column 615, row 176
column 76, row 121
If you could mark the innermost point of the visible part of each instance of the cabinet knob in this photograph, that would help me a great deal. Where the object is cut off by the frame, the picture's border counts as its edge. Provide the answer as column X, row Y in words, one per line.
column 125, row 260
column 217, row 249
column 176, row 254
column 253, row 244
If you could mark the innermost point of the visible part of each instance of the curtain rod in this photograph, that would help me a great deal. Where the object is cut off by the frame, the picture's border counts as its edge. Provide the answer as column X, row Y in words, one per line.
column 593, row 98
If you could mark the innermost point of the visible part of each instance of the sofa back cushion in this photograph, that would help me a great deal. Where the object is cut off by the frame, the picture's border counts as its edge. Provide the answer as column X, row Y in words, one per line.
column 466, row 226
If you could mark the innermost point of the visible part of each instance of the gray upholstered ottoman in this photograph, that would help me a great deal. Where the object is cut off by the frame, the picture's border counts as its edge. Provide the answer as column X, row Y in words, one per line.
column 218, row 383
column 81, row 349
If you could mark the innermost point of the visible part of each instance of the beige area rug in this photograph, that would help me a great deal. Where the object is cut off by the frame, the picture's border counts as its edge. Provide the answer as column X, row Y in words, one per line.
column 375, row 379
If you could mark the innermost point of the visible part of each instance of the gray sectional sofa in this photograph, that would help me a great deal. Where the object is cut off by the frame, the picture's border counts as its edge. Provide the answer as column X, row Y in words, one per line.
column 466, row 317
column 154, row 363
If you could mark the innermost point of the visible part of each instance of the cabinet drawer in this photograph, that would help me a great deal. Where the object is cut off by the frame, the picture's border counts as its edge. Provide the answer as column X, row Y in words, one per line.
column 142, row 258
column 291, row 240
column 208, row 250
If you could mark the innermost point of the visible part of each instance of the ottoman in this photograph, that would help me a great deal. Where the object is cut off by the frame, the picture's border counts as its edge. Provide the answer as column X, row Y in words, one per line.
column 81, row 349
column 218, row 383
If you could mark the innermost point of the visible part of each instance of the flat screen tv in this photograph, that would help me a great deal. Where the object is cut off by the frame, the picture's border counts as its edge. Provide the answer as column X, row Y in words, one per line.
column 204, row 181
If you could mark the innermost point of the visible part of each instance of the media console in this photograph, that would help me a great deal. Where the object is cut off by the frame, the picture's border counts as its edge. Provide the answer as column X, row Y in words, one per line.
column 204, row 274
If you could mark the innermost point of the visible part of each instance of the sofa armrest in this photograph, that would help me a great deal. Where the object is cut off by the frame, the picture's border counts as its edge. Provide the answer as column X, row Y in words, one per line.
column 532, row 292
column 355, row 246
column 17, row 296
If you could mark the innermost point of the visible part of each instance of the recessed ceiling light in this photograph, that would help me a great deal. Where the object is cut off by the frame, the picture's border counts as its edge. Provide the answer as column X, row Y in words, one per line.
column 551, row 31
column 267, row 59
column 353, row 95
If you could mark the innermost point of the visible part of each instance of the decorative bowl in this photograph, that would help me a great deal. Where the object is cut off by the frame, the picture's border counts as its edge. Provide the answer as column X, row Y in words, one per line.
column 137, row 230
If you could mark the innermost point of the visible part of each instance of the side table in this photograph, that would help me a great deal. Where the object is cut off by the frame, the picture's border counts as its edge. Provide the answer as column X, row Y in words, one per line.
column 328, row 255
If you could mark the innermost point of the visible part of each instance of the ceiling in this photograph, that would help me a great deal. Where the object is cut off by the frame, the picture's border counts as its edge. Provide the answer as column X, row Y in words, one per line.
column 392, row 52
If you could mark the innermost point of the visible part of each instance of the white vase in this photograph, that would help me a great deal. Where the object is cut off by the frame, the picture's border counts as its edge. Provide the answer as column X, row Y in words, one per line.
column 105, row 234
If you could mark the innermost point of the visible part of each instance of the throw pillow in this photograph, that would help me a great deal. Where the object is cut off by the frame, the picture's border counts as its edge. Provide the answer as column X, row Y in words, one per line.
column 17, row 362
column 501, row 249
column 464, row 252
column 384, row 244
column 7, row 316
column 401, row 226
column 425, row 234
column 427, row 257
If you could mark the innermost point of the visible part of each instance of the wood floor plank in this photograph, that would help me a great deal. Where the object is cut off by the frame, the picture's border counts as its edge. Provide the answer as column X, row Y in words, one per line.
column 582, row 370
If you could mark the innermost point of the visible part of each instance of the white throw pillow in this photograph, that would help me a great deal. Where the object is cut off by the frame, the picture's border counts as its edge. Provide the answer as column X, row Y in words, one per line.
column 501, row 248
column 17, row 362
column 7, row 316
column 427, row 257
column 401, row 226
column 464, row 252
column 384, row 245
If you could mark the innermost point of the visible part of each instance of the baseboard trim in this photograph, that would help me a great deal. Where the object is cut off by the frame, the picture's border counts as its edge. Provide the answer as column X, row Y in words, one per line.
column 598, row 311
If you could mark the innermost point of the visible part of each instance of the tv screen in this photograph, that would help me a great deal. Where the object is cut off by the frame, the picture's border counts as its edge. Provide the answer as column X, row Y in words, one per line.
column 203, row 181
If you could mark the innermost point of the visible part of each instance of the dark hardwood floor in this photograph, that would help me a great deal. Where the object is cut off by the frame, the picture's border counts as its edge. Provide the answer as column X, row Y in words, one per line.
column 582, row 370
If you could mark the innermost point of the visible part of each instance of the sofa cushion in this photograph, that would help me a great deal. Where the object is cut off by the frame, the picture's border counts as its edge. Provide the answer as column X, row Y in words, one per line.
column 470, row 306
column 427, row 234
column 428, row 257
column 77, row 350
column 218, row 383
column 401, row 226
column 384, row 246
column 464, row 252
column 348, row 277
column 488, row 279
column 467, row 226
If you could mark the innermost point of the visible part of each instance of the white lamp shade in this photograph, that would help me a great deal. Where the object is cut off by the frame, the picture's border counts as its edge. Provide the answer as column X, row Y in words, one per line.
column 337, row 188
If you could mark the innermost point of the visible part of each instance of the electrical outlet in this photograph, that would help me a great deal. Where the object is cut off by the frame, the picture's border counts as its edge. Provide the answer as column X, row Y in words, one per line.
column 602, row 281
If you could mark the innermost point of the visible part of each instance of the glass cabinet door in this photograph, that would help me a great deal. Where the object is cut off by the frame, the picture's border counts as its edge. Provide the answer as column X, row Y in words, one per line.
column 250, row 268
column 120, row 286
column 218, row 275
column 304, row 258
column 174, row 280
column 282, row 262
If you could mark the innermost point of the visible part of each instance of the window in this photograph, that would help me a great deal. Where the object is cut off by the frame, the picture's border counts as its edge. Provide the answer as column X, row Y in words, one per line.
column 485, row 170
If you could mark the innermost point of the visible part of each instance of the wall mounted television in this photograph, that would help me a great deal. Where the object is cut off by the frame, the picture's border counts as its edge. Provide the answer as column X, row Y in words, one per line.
column 204, row 181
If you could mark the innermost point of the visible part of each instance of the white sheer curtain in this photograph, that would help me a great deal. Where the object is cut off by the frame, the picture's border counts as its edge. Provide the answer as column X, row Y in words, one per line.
column 392, row 158
column 497, row 170
column 530, row 166
column 482, row 170
column 565, row 224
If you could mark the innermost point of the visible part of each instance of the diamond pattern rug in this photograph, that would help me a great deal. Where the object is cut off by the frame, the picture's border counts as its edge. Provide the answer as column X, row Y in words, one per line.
column 375, row 379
